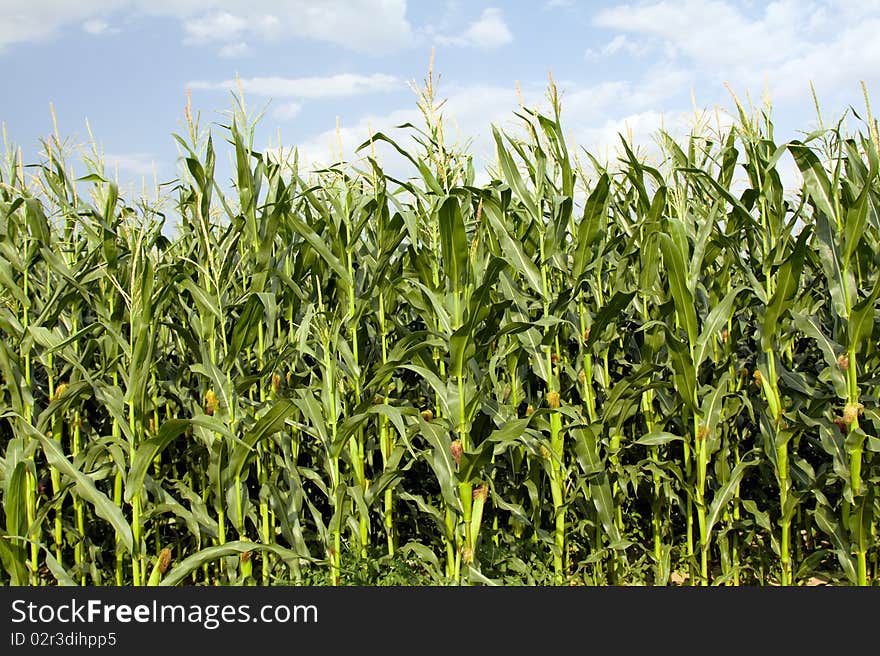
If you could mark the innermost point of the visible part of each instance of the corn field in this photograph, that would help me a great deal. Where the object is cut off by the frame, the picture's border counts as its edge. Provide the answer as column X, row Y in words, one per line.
column 658, row 370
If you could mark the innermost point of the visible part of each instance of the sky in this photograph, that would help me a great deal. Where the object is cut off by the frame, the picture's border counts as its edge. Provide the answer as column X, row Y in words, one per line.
column 125, row 66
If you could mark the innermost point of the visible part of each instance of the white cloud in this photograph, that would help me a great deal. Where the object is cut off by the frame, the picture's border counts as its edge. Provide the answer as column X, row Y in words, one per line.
column 226, row 27
column 639, row 130
column 323, row 148
column 233, row 50
column 789, row 174
column 594, row 103
column 142, row 164
column 373, row 26
column 714, row 33
column 304, row 88
column 24, row 21
column 487, row 33
column 834, row 66
column 619, row 43
column 287, row 111
column 784, row 44
column 98, row 26
column 332, row 86
column 219, row 26
column 469, row 110
column 593, row 117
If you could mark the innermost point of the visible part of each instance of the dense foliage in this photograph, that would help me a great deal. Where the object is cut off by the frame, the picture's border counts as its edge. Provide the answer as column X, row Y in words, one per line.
column 578, row 372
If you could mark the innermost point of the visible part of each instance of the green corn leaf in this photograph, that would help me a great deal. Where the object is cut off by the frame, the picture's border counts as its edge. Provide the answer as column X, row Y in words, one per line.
column 16, row 524
column 245, row 329
column 512, row 175
column 179, row 572
column 453, row 241
column 608, row 316
column 840, row 281
column 682, row 296
column 854, row 225
column 658, row 438
column 148, row 450
column 266, row 426
column 592, row 224
column 832, row 528
column 725, row 494
column 862, row 318
column 685, row 375
column 787, row 283
column 513, row 252
column 86, row 489
column 816, row 181
column 718, row 318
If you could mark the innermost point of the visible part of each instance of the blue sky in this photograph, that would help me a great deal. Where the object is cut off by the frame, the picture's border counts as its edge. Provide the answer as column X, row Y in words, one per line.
column 125, row 65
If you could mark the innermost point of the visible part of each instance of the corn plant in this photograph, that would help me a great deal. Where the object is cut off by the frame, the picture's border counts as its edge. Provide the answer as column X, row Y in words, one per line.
column 661, row 368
